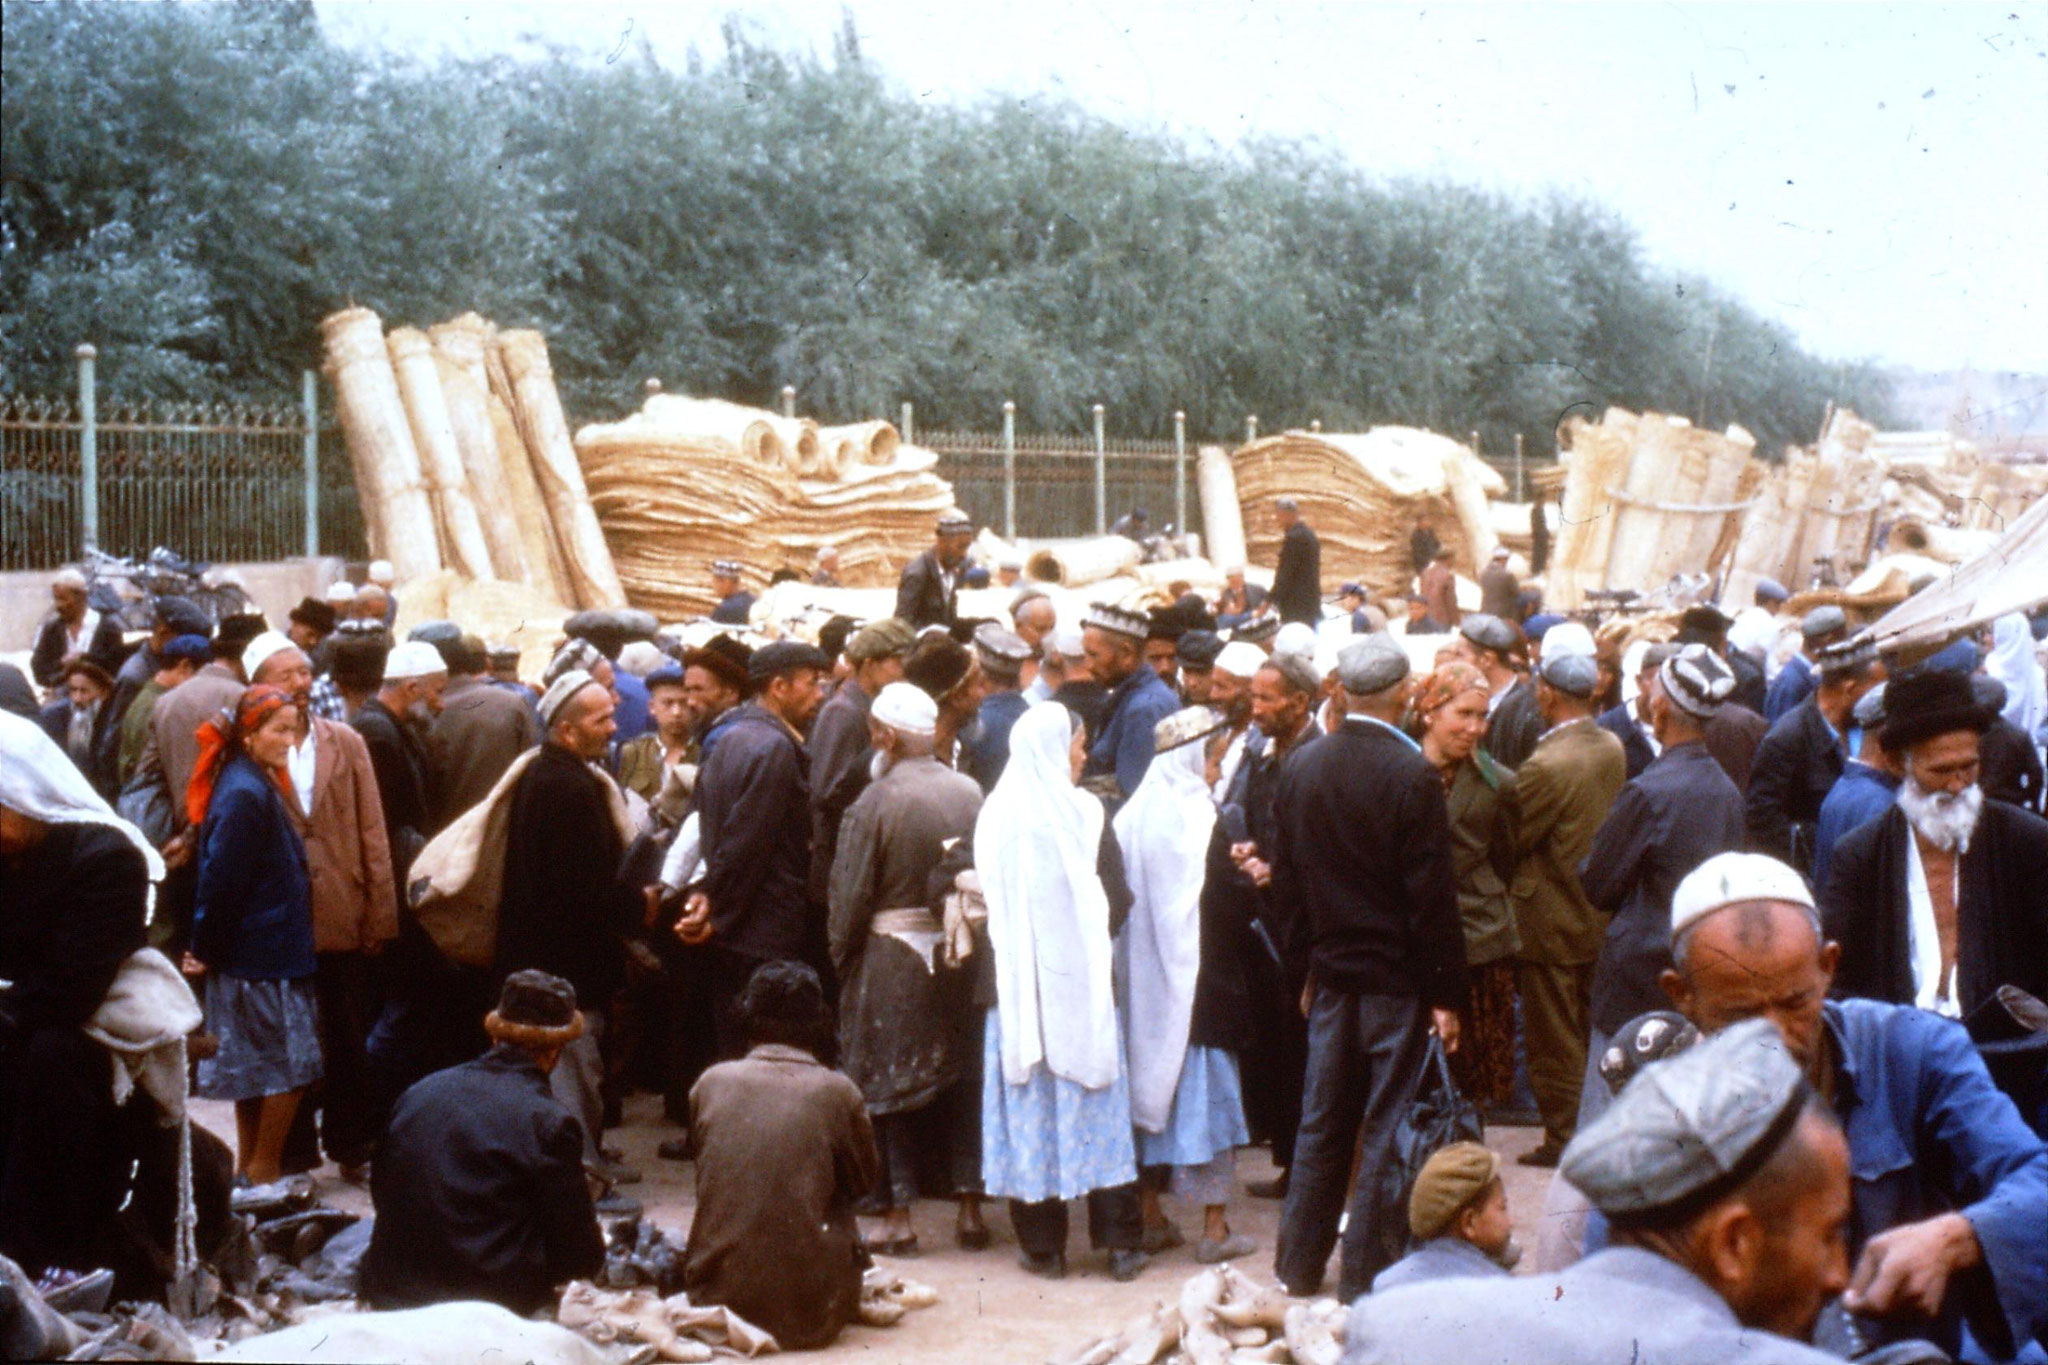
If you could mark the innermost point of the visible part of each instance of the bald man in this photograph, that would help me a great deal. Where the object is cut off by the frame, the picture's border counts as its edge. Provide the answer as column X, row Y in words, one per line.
column 1950, row 1187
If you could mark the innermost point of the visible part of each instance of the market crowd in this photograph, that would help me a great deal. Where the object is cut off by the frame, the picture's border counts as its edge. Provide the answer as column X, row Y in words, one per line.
column 1067, row 906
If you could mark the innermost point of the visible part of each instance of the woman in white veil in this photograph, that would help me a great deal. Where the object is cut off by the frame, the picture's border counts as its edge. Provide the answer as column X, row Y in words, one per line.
column 1056, row 1110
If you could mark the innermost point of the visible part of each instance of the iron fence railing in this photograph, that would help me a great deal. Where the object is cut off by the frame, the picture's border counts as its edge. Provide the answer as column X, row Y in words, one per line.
column 1046, row 485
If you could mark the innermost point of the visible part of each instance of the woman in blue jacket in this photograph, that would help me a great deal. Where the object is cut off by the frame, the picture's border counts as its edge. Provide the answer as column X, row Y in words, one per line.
column 252, row 928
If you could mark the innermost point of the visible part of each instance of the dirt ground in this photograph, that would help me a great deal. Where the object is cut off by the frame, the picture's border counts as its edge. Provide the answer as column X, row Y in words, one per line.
column 988, row 1308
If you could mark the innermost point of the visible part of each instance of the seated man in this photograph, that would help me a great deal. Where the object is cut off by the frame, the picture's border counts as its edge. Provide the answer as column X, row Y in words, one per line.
column 1951, row 1188
column 783, row 1149
column 1726, row 1183
column 1458, row 1215
column 479, row 1185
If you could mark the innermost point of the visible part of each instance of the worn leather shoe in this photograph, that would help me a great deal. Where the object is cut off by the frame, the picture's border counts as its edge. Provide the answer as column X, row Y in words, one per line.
column 1546, row 1155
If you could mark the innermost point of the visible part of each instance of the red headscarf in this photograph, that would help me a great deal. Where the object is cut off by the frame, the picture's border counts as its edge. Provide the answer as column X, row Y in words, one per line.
column 226, row 735
column 1450, row 679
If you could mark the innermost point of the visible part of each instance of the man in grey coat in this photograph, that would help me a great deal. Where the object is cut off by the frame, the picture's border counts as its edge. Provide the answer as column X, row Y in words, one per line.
column 1726, row 1183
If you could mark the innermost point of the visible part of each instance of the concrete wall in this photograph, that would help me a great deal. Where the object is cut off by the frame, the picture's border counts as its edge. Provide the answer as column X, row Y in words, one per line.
column 276, row 586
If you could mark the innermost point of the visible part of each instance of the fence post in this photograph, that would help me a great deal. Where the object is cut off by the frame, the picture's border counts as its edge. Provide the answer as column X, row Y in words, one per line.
column 651, row 385
column 1101, row 478
column 1251, row 428
column 1010, row 471
column 309, row 397
column 1316, row 426
column 789, row 400
column 1518, row 468
column 88, row 448
column 1180, row 472
column 904, row 428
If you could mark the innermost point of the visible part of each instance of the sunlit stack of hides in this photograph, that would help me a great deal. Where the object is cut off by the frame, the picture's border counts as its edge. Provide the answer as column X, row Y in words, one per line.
column 463, row 461
column 687, row 481
column 1364, row 493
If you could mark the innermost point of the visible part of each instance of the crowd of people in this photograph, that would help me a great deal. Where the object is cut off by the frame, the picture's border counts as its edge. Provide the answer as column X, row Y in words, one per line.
column 1037, row 909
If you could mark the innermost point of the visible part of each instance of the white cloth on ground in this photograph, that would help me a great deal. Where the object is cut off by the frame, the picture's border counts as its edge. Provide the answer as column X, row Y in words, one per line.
column 1036, row 844
column 1164, row 833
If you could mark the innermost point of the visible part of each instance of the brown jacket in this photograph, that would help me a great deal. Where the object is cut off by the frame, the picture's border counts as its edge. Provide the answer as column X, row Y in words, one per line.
column 783, row 1148
column 1556, row 802
column 348, row 857
column 481, row 729
column 174, row 725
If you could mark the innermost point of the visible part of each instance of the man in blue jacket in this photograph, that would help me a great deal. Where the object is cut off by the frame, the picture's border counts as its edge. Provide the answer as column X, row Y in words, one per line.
column 1114, row 641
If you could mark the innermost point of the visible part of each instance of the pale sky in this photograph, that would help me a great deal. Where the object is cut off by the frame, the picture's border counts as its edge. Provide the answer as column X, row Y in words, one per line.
column 1874, row 175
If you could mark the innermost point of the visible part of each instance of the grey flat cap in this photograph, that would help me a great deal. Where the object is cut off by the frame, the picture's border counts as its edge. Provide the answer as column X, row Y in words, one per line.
column 1869, row 711
column 1689, row 1130
column 1488, row 632
column 1371, row 664
column 1697, row 681
column 1575, row 675
column 1823, row 621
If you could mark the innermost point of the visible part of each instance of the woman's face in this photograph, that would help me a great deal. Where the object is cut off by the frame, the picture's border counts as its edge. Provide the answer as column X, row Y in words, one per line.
column 272, row 740
column 1454, row 729
column 1077, row 752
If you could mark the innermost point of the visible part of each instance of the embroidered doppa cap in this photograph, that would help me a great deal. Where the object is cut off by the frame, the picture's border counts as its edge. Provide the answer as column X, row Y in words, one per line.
column 1642, row 1040
column 906, row 708
column 1135, row 625
column 1697, row 681
column 559, row 693
column 1002, row 651
column 576, row 656
column 1689, row 1130
column 1731, row 878
column 1371, row 664
column 1257, row 632
column 1447, row 1184
column 1184, row 726
column 785, row 656
column 956, row 523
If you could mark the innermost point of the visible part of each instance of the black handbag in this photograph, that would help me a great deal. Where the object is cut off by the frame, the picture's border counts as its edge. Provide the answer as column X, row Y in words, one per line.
column 1438, row 1116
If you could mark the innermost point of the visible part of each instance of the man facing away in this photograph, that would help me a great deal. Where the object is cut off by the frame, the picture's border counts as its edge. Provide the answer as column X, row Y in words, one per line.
column 1298, row 577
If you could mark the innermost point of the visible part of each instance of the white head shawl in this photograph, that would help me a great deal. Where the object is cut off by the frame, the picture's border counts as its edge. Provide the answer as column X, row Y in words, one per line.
column 2012, row 662
column 38, row 780
column 1036, row 844
column 1164, row 833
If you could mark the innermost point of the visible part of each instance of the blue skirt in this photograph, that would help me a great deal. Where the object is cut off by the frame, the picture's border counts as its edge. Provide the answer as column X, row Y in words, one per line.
column 269, row 1034
column 1050, row 1138
column 1207, row 1117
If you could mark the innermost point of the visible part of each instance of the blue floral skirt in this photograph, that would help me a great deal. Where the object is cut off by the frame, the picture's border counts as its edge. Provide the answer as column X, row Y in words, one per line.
column 1050, row 1138
column 1203, row 1130
column 269, row 1034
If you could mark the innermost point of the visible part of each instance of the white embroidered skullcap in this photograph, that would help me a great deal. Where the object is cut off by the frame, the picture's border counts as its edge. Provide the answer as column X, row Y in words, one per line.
column 413, row 659
column 906, row 709
column 263, row 647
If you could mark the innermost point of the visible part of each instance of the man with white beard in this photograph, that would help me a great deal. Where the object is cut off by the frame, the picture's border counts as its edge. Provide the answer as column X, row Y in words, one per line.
column 1944, row 898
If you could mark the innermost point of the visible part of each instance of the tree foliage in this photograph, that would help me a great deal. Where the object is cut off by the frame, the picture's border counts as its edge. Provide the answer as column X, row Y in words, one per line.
column 192, row 187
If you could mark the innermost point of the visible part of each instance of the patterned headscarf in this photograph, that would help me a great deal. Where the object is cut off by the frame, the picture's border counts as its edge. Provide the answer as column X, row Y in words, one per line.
column 1447, row 681
column 226, row 735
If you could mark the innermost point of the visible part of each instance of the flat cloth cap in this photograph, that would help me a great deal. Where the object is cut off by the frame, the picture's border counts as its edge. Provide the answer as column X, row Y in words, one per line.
column 1869, row 712
column 1697, row 681
column 1447, row 1184
column 195, row 648
column 1240, row 660
column 1371, row 664
column 1688, row 1131
column 438, row 633
column 883, row 639
column 1575, row 675
column 1730, row 879
column 1488, row 632
column 1117, row 620
column 905, row 708
column 1184, row 726
column 785, row 656
column 184, row 616
column 1001, row 650
column 1822, row 621
column 1198, row 649
column 611, row 628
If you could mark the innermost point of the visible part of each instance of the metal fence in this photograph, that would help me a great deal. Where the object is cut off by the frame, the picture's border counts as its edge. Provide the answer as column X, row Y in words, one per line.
column 226, row 482
column 1046, row 485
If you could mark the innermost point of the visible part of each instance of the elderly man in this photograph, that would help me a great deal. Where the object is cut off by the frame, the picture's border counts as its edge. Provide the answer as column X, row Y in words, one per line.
column 1002, row 655
column 334, row 807
column 1804, row 752
column 1680, row 812
column 1239, row 601
column 79, row 719
column 1727, row 1184
column 1361, row 875
column 1944, row 898
column 1866, row 789
column 73, row 630
column 825, row 568
column 479, row 1187
column 901, row 1008
column 837, row 751
column 928, row 592
column 1114, row 640
column 1035, row 618
column 735, row 603
column 1513, row 725
column 1820, row 628
column 1556, row 804
column 1951, row 1189
column 1298, row 577
column 563, row 907
column 481, row 728
column 753, row 904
